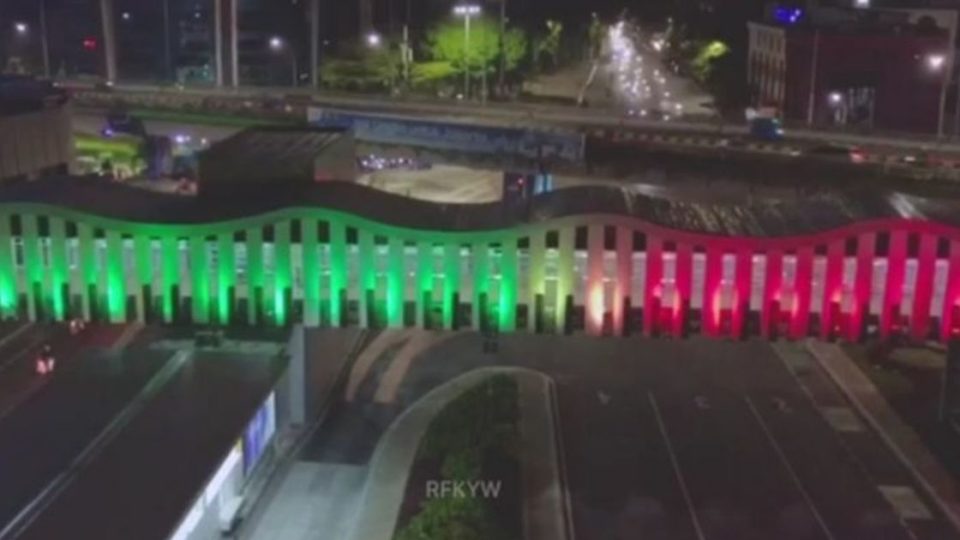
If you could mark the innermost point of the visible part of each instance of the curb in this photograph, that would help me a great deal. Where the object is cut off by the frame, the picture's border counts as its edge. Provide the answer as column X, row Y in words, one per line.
column 950, row 510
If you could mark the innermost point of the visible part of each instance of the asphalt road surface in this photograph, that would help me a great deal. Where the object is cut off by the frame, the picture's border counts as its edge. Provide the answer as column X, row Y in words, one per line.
column 696, row 439
column 47, row 420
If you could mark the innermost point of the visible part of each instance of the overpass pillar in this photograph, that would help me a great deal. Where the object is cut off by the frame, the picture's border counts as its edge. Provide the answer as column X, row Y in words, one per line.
column 832, row 302
column 396, row 301
column 108, row 29
column 893, row 289
column 862, row 285
column 311, row 271
column 424, row 300
column 564, row 277
column 535, row 281
column 480, row 308
column 451, row 285
column 653, row 288
column 621, row 298
column 683, row 278
column 367, row 279
column 595, row 301
column 951, row 297
column 802, row 286
column 923, row 290
column 742, row 292
column 772, row 308
column 9, row 298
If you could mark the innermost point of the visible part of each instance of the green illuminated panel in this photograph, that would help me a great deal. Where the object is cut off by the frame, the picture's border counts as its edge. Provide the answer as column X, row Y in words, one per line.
column 424, row 280
column 88, row 267
column 508, row 287
column 368, row 278
column 481, row 281
column 170, row 276
column 395, row 284
column 311, row 272
column 338, row 269
column 451, row 281
column 32, row 264
column 141, row 253
column 226, row 276
column 59, row 273
column 199, row 280
column 8, row 283
column 116, row 284
column 282, row 273
column 537, row 277
column 564, row 273
column 254, row 272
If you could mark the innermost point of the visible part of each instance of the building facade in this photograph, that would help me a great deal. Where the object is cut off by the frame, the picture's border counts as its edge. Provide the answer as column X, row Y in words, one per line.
column 604, row 273
column 878, row 76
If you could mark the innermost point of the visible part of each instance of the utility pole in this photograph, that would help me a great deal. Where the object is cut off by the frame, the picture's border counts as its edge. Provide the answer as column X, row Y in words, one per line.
column 167, row 56
column 811, row 103
column 43, row 39
column 315, row 44
column 503, row 46
column 218, row 40
column 109, row 40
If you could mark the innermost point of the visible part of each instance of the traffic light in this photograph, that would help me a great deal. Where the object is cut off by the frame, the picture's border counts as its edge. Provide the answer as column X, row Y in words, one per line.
column 90, row 43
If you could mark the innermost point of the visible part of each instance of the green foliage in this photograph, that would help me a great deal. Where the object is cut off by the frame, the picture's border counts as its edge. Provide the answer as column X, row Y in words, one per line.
column 423, row 73
column 483, row 419
column 706, row 54
column 445, row 42
column 548, row 47
column 362, row 69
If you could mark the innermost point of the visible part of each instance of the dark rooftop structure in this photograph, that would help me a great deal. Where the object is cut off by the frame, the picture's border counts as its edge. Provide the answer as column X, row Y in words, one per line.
column 20, row 94
column 761, row 219
column 276, row 158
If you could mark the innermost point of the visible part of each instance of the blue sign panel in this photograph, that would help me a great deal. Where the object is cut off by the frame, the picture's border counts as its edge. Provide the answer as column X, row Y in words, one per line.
column 531, row 144
column 258, row 434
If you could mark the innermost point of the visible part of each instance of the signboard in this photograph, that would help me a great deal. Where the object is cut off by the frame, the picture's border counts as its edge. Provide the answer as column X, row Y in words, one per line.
column 532, row 144
column 259, row 433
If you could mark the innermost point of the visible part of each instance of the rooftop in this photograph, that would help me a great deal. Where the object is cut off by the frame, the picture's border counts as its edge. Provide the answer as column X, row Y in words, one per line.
column 759, row 219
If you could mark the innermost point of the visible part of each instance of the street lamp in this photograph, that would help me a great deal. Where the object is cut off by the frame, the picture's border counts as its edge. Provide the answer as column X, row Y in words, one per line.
column 835, row 98
column 277, row 44
column 937, row 64
column 21, row 28
column 466, row 11
column 374, row 40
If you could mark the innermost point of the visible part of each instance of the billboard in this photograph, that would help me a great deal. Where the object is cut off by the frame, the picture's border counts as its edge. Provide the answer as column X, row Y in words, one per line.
column 528, row 143
column 259, row 433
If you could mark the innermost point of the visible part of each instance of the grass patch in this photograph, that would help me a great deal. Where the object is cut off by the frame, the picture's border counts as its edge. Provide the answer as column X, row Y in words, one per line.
column 475, row 438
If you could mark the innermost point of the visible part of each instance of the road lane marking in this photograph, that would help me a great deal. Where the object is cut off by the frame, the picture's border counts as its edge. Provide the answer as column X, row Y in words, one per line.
column 786, row 463
column 842, row 419
column 905, row 502
column 676, row 467
column 20, row 329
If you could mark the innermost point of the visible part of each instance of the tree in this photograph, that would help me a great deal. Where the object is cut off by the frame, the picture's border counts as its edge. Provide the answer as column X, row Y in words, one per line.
column 362, row 68
column 445, row 42
column 549, row 44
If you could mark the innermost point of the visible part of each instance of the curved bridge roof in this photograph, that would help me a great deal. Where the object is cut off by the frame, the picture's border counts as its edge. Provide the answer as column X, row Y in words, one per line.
column 761, row 219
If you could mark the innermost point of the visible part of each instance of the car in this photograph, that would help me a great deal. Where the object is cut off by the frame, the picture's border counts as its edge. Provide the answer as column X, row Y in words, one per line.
column 76, row 326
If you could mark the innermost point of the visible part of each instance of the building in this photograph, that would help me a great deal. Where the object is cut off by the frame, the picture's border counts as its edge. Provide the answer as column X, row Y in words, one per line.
column 590, row 259
column 854, row 68
column 36, row 137
column 276, row 159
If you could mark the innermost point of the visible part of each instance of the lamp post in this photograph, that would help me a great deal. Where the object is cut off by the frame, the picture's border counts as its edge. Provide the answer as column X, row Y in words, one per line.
column 466, row 11
column 937, row 63
column 278, row 44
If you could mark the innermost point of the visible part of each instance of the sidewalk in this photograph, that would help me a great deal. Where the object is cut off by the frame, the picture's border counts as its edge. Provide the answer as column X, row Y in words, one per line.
column 390, row 465
column 900, row 438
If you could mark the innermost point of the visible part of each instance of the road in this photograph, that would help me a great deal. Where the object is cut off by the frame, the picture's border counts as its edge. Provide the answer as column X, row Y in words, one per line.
column 696, row 439
column 143, row 482
column 48, row 420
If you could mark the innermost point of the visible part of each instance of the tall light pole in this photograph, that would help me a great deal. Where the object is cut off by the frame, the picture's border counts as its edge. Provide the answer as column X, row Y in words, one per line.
column 466, row 11
column 44, row 46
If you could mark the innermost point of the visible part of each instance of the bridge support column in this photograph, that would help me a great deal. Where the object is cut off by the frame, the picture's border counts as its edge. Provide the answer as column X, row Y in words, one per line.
column 170, row 296
column 200, row 281
column 60, row 271
column 338, row 272
column 893, row 289
column 951, row 297
column 425, row 265
column 923, row 290
column 367, row 278
column 33, row 270
column 507, row 302
column 226, row 277
column 862, row 286
column 395, row 284
column 653, row 288
column 713, row 276
column 480, row 308
column 802, row 285
column 772, row 307
column 683, row 279
column 8, row 283
column 742, row 292
column 621, row 297
column 564, row 277
column 282, row 293
column 535, row 280
column 832, row 301
column 311, row 272
column 451, row 285
column 595, row 300
column 255, row 296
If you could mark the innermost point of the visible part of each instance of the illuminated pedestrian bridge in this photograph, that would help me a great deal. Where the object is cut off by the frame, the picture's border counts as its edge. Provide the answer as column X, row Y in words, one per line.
column 595, row 259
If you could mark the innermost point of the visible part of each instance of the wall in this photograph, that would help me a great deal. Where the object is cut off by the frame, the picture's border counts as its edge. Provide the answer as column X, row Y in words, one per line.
column 606, row 274
column 35, row 143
